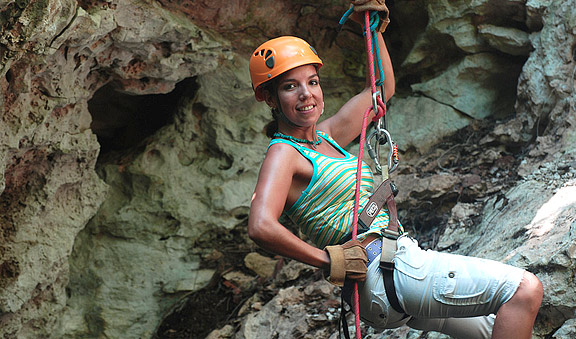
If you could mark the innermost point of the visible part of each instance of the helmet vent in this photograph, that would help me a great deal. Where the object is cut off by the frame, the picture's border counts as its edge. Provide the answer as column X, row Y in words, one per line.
column 270, row 62
column 268, row 54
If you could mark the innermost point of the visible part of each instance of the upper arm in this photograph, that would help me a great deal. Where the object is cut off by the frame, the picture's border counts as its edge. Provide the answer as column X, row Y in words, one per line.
column 272, row 187
column 270, row 196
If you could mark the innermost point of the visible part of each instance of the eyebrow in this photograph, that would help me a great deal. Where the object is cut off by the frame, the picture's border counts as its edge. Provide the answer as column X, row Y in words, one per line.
column 310, row 77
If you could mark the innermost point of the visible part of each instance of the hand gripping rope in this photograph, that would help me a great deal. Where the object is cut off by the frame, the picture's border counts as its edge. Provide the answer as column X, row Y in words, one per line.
column 380, row 134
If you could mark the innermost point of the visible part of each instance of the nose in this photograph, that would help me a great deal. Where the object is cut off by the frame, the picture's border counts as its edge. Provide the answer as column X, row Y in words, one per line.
column 304, row 92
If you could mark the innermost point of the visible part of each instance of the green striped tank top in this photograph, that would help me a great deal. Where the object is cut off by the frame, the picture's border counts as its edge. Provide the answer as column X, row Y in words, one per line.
column 324, row 211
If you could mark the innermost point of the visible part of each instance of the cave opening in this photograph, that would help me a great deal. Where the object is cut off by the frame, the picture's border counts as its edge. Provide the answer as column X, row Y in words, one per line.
column 122, row 121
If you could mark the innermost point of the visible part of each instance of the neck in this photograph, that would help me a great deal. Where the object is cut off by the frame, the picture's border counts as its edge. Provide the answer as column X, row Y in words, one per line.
column 315, row 141
column 298, row 132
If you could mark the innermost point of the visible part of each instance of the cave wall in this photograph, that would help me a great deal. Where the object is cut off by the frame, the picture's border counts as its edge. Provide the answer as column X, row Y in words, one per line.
column 55, row 56
column 130, row 140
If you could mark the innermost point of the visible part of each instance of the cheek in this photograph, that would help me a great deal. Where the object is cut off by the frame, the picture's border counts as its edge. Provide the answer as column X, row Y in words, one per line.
column 318, row 92
column 286, row 99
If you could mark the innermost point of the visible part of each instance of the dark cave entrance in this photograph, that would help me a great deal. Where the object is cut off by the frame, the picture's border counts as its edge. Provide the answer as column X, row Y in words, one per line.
column 122, row 121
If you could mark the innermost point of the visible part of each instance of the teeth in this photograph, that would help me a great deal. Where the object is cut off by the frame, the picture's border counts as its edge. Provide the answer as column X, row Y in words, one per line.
column 306, row 108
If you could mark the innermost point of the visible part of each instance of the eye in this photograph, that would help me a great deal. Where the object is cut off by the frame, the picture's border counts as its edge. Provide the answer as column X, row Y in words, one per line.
column 289, row 86
column 314, row 82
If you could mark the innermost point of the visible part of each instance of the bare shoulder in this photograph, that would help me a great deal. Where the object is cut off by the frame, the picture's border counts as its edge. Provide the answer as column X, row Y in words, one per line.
column 281, row 152
column 281, row 161
column 278, row 182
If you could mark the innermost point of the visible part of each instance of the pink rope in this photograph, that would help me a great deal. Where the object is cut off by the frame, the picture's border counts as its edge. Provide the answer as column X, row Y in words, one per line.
column 378, row 115
column 356, row 207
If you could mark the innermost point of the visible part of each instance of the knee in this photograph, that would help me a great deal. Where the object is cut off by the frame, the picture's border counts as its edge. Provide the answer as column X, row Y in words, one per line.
column 529, row 292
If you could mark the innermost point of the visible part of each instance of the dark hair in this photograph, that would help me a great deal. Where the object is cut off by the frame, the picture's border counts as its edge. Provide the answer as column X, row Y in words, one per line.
column 272, row 127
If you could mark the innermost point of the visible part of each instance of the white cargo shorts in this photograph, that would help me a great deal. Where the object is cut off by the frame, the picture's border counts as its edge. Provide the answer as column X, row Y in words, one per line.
column 431, row 284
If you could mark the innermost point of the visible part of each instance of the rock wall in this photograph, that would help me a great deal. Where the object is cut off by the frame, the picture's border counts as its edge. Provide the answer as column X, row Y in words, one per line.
column 130, row 144
column 55, row 56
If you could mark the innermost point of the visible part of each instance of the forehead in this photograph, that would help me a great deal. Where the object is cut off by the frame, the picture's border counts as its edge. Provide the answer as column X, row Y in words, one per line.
column 301, row 72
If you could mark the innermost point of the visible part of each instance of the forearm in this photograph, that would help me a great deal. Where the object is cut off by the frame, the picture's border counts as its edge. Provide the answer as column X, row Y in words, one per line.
column 279, row 240
column 389, row 81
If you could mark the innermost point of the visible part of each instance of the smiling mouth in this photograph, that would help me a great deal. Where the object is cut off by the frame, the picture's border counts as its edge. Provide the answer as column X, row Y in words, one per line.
column 306, row 108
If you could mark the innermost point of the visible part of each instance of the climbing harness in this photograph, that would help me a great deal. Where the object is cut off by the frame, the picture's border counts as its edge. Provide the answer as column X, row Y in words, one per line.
column 385, row 193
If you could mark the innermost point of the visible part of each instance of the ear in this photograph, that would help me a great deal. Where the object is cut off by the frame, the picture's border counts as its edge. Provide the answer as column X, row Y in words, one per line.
column 260, row 94
column 270, row 100
column 263, row 94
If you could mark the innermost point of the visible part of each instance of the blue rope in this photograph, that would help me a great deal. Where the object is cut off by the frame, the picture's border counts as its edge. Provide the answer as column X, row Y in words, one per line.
column 374, row 21
column 346, row 15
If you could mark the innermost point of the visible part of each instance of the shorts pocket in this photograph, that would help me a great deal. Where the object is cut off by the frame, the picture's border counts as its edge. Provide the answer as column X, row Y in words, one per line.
column 457, row 287
column 377, row 316
column 411, row 260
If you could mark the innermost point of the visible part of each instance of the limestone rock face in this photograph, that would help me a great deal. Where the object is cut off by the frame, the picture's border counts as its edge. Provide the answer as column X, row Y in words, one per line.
column 55, row 55
column 130, row 144
column 546, row 85
column 467, row 57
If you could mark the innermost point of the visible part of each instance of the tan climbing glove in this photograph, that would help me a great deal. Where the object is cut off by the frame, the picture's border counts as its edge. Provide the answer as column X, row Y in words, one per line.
column 374, row 5
column 347, row 261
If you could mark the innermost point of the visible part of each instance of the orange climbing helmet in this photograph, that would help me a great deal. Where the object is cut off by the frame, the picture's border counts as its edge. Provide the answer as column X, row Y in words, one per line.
column 277, row 56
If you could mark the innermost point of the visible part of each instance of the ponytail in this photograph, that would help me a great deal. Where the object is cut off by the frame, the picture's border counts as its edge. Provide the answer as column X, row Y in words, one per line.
column 272, row 126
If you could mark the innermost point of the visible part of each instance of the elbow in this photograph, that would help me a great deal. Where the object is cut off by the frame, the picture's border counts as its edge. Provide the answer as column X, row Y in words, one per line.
column 256, row 231
column 253, row 234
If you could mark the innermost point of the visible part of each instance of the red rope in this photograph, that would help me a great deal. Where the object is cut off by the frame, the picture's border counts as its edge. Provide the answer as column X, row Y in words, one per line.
column 381, row 112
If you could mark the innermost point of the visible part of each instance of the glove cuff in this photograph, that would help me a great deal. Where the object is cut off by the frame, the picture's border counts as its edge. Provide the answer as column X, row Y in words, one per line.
column 384, row 21
column 337, row 265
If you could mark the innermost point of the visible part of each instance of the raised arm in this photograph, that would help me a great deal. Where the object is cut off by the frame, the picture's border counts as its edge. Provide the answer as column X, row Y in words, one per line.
column 346, row 124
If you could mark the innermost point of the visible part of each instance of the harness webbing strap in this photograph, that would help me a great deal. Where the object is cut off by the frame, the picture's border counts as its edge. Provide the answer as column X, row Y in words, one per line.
column 384, row 194
column 343, row 322
column 388, row 275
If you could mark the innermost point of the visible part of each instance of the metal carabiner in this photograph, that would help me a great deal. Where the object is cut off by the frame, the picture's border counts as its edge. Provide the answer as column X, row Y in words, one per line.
column 374, row 154
column 393, row 151
column 380, row 134
column 375, row 105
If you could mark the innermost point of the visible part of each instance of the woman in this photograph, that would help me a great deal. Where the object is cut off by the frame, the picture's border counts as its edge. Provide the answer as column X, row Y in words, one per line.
column 308, row 175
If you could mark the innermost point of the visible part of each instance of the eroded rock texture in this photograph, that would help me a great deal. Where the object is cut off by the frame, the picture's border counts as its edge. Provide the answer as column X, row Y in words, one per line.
column 130, row 144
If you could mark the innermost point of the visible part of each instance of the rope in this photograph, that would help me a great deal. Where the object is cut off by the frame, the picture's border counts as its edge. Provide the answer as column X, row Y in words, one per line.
column 369, row 35
column 374, row 21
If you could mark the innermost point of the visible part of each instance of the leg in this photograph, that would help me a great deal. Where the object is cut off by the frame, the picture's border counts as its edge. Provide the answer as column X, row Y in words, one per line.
column 464, row 328
column 434, row 285
column 515, row 318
